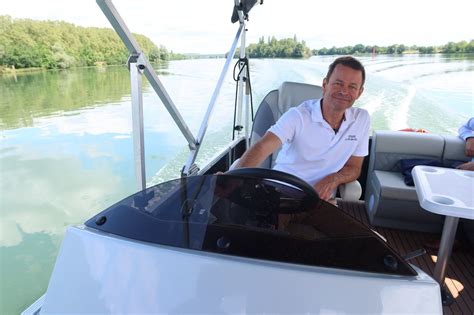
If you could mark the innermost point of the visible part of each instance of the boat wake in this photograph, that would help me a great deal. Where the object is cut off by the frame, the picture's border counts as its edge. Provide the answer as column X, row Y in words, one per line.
column 400, row 114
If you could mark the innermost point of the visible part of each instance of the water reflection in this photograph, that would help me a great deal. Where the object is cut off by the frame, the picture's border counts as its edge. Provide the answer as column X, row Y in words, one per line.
column 30, row 95
column 66, row 147
column 40, row 199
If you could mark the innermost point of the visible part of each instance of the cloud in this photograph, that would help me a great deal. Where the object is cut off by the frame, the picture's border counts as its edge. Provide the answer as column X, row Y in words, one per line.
column 72, row 190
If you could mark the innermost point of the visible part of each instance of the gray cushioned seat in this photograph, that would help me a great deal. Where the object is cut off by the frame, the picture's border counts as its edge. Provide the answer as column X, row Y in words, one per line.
column 389, row 201
column 393, row 187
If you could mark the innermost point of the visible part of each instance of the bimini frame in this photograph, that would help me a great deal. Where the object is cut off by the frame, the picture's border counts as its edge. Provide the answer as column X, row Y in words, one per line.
column 138, row 65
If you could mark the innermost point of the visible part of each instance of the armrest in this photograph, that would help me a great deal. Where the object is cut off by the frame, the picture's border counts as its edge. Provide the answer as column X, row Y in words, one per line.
column 350, row 191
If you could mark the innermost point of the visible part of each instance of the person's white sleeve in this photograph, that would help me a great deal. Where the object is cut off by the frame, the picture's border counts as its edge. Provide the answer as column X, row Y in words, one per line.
column 363, row 145
column 467, row 130
column 285, row 128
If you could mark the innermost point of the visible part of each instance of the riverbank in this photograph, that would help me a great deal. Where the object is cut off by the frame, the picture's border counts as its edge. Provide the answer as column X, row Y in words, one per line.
column 12, row 70
column 6, row 71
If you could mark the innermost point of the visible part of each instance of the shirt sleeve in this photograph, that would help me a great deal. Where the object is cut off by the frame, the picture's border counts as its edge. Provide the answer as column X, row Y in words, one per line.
column 363, row 145
column 285, row 128
column 467, row 130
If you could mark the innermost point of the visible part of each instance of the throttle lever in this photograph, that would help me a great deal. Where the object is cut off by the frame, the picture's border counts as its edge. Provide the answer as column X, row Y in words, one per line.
column 414, row 254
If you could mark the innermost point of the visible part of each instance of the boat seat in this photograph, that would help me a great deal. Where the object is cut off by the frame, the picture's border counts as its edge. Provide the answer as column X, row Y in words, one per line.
column 389, row 201
column 274, row 105
column 394, row 186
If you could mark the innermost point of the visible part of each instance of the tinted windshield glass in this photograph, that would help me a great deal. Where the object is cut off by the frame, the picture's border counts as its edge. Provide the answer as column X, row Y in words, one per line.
column 249, row 217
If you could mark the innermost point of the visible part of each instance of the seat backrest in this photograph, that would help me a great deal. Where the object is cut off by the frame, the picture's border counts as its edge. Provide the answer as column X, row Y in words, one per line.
column 389, row 147
column 275, row 104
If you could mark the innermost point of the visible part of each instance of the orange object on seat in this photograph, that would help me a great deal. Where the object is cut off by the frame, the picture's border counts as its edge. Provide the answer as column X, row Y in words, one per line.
column 414, row 130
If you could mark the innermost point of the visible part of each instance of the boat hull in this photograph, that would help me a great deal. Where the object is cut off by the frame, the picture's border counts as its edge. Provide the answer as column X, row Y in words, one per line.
column 101, row 273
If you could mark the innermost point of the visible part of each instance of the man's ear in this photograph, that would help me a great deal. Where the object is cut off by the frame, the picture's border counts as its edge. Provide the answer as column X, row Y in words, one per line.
column 361, row 90
column 325, row 82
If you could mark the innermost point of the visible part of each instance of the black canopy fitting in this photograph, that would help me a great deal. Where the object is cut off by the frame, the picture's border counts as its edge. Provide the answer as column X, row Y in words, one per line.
column 135, row 58
column 245, row 6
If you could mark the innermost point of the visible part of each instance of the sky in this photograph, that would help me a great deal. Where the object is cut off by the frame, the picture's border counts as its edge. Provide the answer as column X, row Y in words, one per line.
column 186, row 26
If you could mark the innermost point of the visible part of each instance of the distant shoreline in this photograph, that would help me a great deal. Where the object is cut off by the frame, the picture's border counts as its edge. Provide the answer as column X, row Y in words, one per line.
column 10, row 71
column 5, row 71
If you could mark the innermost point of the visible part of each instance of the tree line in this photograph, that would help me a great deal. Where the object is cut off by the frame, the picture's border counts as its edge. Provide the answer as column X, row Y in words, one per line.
column 26, row 43
column 283, row 48
column 292, row 48
column 449, row 48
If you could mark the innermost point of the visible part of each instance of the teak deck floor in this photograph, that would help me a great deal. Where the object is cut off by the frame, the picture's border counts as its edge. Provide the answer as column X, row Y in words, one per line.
column 460, row 270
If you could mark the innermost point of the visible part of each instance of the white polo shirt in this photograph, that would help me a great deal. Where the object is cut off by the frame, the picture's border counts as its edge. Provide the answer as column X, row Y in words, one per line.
column 311, row 148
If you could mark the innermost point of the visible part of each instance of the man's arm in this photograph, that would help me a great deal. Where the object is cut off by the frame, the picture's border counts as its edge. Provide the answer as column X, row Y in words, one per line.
column 350, row 172
column 468, row 166
column 469, row 148
column 466, row 132
column 257, row 153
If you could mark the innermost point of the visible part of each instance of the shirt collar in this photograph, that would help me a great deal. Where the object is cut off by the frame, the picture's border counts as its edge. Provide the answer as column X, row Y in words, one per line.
column 317, row 115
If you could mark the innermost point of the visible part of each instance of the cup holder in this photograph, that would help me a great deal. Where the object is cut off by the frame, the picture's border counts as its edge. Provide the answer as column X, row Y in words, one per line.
column 443, row 200
column 468, row 174
column 429, row 169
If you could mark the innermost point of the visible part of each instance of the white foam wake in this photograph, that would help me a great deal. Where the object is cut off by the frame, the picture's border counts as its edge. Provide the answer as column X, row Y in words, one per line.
column 374, row 103
column 399, row 119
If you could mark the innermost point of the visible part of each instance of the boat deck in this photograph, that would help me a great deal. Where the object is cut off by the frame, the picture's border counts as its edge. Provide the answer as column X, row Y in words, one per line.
column 460, row 270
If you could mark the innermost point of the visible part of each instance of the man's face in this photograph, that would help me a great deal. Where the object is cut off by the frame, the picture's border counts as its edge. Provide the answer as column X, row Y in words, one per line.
column 342, row 88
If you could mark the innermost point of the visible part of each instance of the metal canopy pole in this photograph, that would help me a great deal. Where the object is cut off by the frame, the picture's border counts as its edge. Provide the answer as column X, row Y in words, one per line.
column 141, row 65
column 119, row 26
column 137, row 119
column 189, row 167
column 238, row 110
column 245, row 92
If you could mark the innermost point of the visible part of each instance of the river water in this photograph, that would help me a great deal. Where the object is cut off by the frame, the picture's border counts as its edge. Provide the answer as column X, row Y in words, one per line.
column 66, row 146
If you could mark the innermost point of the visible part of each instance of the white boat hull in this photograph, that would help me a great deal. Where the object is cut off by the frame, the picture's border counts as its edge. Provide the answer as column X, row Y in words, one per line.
column 100, row 273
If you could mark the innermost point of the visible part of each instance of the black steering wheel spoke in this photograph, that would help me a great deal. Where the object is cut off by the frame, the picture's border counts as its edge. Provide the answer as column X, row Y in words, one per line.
column 273, row 198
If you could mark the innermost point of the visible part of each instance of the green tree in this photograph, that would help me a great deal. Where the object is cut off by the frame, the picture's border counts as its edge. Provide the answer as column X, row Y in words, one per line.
column 273, row 48
column 26, row 43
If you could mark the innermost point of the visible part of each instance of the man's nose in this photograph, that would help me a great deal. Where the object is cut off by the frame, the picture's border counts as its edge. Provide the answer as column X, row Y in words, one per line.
column 344, row 90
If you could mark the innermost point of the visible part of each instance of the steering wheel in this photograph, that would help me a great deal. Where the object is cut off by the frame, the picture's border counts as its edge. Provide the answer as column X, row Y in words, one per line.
column 263, row 173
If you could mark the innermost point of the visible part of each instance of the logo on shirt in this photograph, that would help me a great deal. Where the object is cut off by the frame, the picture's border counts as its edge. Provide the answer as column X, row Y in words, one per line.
column 351, row 138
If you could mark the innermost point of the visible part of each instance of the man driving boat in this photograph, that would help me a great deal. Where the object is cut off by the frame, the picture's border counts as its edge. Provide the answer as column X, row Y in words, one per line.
column 324, row 141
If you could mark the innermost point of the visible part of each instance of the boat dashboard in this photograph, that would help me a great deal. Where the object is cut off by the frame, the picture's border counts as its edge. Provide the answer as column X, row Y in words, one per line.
column 267, row 216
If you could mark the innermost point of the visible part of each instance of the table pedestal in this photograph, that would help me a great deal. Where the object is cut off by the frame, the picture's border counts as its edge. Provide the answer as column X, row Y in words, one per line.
column 444, row 252
column 446, row 192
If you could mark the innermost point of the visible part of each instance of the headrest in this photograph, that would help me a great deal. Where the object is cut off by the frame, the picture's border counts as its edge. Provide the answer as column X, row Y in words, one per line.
column 291, row 94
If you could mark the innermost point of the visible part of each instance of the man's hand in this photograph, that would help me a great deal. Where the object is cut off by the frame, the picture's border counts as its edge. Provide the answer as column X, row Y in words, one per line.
column 469, row 148
column 350, row 172
column 469, row 166
column 326, row 187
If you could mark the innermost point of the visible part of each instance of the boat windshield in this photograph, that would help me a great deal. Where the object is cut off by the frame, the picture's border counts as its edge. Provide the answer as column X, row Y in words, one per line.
column 249, row 217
